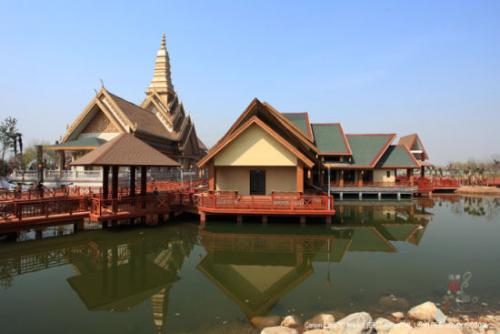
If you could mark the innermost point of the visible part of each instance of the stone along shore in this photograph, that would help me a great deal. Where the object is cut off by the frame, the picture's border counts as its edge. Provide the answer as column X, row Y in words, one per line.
column 426, row 318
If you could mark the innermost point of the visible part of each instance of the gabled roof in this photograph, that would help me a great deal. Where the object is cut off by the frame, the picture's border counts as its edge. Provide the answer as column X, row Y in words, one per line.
column 367, row 149
column 141, row 119
column 125, row 115
column 411, row 141
column 301, row 122
column 256, row 106
column 125, row 150
column 397, row 156
column 330, row 139
column 254, row 120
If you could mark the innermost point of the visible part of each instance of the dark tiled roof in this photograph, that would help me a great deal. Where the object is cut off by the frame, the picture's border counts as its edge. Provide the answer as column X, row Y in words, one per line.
column 146, row 121
column 81, row 142
column 301, row 122
column 330, row 139
column 125, row 150
column 367, row 149
column 397, row 156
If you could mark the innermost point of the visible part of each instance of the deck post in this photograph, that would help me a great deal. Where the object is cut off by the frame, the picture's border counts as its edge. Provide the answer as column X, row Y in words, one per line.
column 239, row 219
column 399, row 196
column 203, row 218
column 341, row 194
column 360, row 178
column 328, row 220
column 360, row 195
column 379, row 196
column 411, row 178
column 144, row 184
column 341, row 179
column 105, row 181
column 329, row 190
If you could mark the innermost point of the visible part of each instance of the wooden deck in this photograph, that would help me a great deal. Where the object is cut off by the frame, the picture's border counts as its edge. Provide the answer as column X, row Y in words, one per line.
column 26, row 211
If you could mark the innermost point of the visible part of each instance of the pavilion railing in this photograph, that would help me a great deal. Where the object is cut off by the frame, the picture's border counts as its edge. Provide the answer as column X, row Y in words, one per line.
column 274, row 202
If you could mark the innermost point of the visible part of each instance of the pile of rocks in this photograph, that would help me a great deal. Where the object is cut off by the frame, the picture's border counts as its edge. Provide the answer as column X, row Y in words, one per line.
column 425, row 318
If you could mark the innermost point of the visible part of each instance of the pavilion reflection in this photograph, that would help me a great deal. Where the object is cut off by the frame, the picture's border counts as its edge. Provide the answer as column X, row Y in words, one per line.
column 115, row 271
column 256, row 266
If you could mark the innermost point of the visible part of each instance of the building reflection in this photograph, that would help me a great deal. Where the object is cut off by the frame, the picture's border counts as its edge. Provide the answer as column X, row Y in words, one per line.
column 256, row 266
column 113, row 271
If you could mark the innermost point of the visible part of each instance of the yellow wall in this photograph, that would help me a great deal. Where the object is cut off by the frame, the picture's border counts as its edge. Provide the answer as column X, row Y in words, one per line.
column 254, row 147
column 238, row 179
column 380, row 175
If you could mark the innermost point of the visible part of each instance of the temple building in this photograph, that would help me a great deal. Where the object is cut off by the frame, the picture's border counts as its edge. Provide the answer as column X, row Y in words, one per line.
column 160, row 121
column 267, row 152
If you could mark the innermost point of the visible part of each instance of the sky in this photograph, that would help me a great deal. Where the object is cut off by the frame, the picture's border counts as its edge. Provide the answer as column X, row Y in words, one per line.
column 431, row 67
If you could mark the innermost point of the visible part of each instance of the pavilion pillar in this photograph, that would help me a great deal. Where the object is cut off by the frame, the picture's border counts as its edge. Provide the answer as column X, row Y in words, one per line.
column 300, row 177
column 411, row 178
column 114, row 182
column 114, row 187
column 211, row 177
column 422, row 171
column 360, row 177
column 61, row 161
column 132, row 181
column 144, row 184
column 105, row 181
column 341, row 178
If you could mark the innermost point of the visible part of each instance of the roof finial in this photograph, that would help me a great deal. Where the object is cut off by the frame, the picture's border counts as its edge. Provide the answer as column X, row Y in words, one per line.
column 163, row 42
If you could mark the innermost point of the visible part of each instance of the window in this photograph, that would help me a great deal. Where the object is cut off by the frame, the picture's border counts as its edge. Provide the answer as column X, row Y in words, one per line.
column 257, row 182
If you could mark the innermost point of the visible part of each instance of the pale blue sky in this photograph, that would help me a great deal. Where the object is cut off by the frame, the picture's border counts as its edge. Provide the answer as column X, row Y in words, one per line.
column 431, row 67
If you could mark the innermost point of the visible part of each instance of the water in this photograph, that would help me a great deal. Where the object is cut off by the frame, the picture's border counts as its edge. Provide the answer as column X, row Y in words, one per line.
column 379, row 257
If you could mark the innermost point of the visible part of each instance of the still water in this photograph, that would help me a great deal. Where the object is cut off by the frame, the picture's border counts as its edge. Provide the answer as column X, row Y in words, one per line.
column 378, row 257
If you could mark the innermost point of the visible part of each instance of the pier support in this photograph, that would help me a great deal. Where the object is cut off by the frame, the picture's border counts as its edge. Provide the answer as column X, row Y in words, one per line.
column 379, row 196
column 239, row 219
column 203, row 219
column 264, row 220
column 341, row 194
column 303, row 220
column 360, row 195
column 399, row 196
column 328, row 220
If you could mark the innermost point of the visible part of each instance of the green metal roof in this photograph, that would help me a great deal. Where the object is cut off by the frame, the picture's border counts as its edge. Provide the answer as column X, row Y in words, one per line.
column 330, row 138
column 300, row 120
column 366, row 148
column 397, row 156
column 82, row 142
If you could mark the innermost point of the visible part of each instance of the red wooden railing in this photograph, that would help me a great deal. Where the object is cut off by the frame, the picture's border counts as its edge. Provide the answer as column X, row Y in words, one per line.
column 371, row 184
column 288, row 202
column 42, row 208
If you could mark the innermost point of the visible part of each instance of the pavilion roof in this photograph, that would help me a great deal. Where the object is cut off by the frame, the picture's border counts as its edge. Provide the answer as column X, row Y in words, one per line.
column 413, row 142
column 330, row 139
column 367, row 149
column 80, row 144
column 125, row 150
column 301, row 121
column 397, row 156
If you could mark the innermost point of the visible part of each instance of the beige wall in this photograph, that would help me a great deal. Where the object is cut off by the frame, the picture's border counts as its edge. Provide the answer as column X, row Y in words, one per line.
column 255, row 147
column 238, row 179
column 380, row 175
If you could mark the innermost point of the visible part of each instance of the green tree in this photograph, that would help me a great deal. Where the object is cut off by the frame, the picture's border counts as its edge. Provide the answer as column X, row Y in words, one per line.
column 8, row 135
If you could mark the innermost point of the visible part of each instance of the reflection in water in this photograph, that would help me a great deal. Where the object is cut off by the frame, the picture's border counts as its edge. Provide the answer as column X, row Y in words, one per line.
column 254, row 266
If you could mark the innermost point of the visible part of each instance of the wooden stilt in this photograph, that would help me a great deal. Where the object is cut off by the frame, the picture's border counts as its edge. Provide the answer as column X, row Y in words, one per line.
column 264, row 220
column 302, row 220
column 239, row 219
column 328, row 220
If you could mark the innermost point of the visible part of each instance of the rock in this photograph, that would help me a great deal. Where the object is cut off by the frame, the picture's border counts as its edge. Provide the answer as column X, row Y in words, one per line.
column 436, row 329
column 317, row 331
column 262, row 322
column 401, row 328
column 279, row 330
column 383, row 326
column 355, row 323
column 398, row 316
column 453, row 320
column 291, row 321
column 427, row 311
column 321, row 319
column 392, row 302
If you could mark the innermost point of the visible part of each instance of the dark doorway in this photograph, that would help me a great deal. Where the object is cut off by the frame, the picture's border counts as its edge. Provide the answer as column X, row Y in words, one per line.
column 257, row 182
